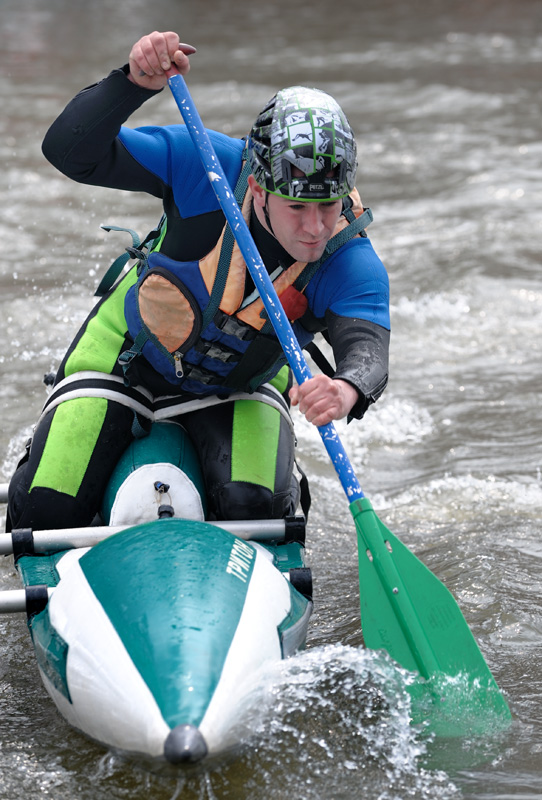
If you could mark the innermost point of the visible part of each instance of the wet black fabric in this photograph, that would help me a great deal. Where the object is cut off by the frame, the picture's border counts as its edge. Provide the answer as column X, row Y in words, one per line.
column 43, row 509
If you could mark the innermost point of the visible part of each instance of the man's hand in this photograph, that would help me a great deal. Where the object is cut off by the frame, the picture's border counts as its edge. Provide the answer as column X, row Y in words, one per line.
column 322, row 399
column 153, row 55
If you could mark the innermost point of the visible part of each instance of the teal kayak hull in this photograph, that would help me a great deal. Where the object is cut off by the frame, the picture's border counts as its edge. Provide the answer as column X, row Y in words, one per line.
column 162, row 630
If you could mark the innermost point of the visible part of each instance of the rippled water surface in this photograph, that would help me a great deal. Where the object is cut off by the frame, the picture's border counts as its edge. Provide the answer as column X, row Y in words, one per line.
column 445, row 99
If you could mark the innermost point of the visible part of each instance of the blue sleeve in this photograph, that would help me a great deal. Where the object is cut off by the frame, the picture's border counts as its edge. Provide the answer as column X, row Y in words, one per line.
column 354, row 283
column 169, row 154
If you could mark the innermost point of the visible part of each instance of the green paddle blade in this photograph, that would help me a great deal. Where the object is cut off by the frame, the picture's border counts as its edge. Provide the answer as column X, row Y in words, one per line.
column 408, row 612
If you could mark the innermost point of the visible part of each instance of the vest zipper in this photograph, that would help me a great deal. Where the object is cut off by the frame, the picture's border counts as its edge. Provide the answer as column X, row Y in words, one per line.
column 178, row 355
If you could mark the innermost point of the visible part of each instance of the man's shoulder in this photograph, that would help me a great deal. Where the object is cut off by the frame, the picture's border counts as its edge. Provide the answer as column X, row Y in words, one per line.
column 226, row 147
column 223, row 144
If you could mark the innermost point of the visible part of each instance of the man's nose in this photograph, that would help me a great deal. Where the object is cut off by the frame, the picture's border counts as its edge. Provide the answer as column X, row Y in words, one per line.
column 314, row 219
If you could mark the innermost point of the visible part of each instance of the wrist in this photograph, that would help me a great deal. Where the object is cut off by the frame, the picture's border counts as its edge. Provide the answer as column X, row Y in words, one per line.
column 349, row 393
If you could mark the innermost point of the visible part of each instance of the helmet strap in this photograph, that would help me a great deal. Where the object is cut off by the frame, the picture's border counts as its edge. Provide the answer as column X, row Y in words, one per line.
column 266, row 214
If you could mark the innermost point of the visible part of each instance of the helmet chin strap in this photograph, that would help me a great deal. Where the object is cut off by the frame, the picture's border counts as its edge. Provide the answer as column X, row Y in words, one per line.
column 266, row 214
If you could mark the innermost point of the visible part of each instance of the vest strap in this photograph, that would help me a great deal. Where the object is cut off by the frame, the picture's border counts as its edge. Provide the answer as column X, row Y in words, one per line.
column 226, row 251
column 319, row 359
column 131, row 252
column 357, row 226
column 127, row 356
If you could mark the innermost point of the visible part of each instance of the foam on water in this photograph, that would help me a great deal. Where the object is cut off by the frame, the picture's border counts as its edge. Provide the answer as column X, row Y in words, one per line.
column 341, row 711
column 462, row 496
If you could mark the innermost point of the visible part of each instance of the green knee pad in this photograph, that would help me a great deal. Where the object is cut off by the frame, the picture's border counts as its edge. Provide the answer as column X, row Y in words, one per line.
column 255, row 439
column 70, row 443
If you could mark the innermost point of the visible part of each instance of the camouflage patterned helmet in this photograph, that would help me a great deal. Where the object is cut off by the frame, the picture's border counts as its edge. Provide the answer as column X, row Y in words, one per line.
column 307, row 129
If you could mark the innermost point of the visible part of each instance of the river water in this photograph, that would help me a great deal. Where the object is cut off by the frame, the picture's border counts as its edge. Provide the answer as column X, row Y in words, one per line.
column 444, row 96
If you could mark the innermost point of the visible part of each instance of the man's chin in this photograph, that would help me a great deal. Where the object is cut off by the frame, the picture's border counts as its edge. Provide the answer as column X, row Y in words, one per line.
column 307, row 253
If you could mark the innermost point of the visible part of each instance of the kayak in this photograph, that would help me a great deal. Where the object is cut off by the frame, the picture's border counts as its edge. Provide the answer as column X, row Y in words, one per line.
column 151, row 630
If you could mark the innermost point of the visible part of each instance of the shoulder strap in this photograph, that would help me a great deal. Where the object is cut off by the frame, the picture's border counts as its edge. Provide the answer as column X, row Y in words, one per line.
column 319, row 359
column 226, row 251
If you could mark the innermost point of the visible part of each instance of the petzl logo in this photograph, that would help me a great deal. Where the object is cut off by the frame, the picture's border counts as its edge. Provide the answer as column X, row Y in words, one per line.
column 316, row 187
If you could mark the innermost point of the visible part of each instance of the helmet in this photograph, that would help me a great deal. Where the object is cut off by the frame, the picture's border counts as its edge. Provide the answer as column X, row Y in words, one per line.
column 307, row 129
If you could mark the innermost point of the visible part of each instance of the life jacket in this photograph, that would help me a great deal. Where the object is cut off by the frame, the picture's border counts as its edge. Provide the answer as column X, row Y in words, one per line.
column 192, row 322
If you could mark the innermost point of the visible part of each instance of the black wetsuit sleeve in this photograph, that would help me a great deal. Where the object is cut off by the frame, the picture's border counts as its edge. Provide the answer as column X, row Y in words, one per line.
column 361, row 351
column 82, row 142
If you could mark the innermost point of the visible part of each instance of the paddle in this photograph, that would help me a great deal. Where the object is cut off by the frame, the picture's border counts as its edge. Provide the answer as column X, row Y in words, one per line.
column 405, row 609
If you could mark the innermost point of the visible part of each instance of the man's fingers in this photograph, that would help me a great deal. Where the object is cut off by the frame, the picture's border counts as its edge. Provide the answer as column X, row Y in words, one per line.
column 155, row 52
column 154, row 55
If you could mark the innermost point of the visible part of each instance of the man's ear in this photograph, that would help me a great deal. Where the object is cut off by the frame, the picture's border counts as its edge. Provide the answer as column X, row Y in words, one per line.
column 257, row 192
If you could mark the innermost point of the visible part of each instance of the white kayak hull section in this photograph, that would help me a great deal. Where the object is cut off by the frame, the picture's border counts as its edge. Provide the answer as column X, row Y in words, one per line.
column 254, row 644
column 164, row 627
column 110, row 701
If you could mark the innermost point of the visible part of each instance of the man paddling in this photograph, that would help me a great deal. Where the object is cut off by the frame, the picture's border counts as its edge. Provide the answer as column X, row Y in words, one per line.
column 187, row 323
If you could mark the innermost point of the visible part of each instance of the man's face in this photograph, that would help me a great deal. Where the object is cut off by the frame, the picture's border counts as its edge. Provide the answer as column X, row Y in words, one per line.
column 302, row 228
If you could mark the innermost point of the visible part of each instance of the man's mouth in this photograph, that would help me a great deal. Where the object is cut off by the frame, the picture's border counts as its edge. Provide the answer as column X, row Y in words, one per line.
column 316, row 244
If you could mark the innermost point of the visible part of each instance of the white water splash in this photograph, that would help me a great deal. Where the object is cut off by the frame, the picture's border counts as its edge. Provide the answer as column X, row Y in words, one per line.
column 341, row 717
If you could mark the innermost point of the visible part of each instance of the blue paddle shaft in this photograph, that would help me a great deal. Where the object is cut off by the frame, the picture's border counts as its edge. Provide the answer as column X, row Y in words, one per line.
column 259, row 275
